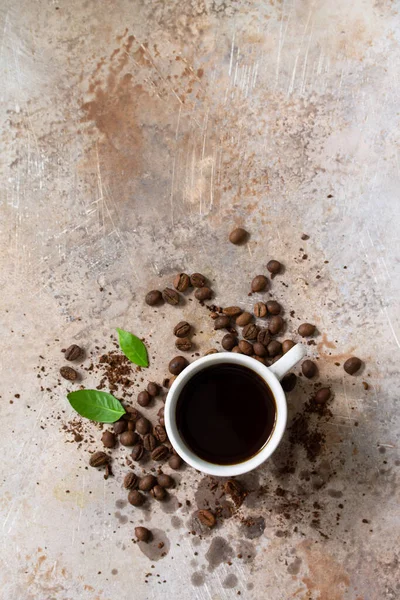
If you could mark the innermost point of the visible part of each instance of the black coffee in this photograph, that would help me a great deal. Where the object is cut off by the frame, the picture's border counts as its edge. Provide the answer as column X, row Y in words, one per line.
column 225, row 413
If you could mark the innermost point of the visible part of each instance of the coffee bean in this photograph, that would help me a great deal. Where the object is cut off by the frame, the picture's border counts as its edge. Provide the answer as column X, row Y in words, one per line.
column 153, row 389
column 289, row 382
column 73, row 352
column 232, row 311
column 246, row 347
column 149, row 442
column 322, row 395
column 177, row 364
column 165, row 481
column 222, row 322
column 236, row 491
column 211, row 351
column 229, row 341
column 143, row 398
column 128, row 438
column 130, row 481
column 206, row 517
column 131, row 425
column 238, row 236
column 309, row 369
column 137, row 452
column 135, row 498
column 158, row 492
column 306, row 329
column 181, row 282
column 108, row 439
column 250, row 331
column 153, row 298
column 352, row 365
column 171, row 296
column 175, row 462
column 160, row 413
column 276, row 358
column 183, row 344
column 147, row 482
column 236, row 350
column 259, row 283
column 264, row 337
column 143, row 425
column 273, row 307
column 274, row 348
column 99, row 459
column 120, row 426
column 197, row 280
column 68, row 373
column 244, row 319
column 132, row 414
column 275, row 325
column 159, row 433
column 260, row 359
column 142, row 534
column 274, row 266
column 259, row 349
column 182, row 329
column 260, row 310
column 171, row 381
column 203, row 294
column 160, row 453
column 287, row 345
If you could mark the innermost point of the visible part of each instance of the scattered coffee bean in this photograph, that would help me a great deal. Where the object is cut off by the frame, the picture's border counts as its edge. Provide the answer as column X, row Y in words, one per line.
column 264, row 337
column 182, row 329
column 274, row 348
column 171, row 381
column 232, row 311
column 352, row 365
column 128, row 438
column 160, row 453
column 275, row 325
column 131, row 425
column 137, row 452
column 197, row 280
column 183, row 344
column 177, row 364
column 181, row 282
column 73, row 352
column 142, row 534
column 175, row 462
column 143, row 425
column 143, row 398
column 229, row 341
column 206, row 517
column 203, row 293
column 306, row 329
column 322, row 395
column 245, row 347
column 160, row 434
column 211, row 351
column 222, row 322
column 130, row 481
column 108, row 439
column 287, row 345
column 259, row 283
column 276, row 358
column 260, row 310
column 171, row 296
column 147, row 482
column 244, row 319
column 165, row 481
column 153, row 298
column 289, row 382
column 135, row 498
column 236, row 491
column 274, row 266
column 250, row 331
column 309, row 368
column 120, row 426
column 238, row 236
column 260, row 359
column 158, row 492
column 153, row 389
column 259, row 349
column 149, row 442
column 99, row 459
column 132, row 414
column 68, row 373
column 273, row 307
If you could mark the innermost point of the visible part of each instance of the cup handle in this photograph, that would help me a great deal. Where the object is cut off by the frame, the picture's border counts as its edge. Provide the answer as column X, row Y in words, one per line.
column 288, row 360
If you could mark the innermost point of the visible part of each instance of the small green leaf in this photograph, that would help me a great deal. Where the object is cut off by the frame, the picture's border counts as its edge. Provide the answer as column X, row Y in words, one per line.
column 96, row 405
column 133, row 348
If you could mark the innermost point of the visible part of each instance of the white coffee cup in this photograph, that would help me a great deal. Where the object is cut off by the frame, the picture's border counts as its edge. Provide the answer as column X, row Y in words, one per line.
column 271, row 375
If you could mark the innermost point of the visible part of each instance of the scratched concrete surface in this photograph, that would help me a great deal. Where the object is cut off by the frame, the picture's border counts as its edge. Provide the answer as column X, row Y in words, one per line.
column 135, row 134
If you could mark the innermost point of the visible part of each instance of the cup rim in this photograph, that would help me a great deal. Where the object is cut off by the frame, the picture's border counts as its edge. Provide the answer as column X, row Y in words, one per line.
column 270, row 445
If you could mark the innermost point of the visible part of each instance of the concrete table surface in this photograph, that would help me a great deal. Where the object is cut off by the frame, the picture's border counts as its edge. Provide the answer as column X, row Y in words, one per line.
column 135, row 135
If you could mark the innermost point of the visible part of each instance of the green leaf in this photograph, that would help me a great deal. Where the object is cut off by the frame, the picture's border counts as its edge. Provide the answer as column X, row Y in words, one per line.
column 133, row 348
column 96, row 405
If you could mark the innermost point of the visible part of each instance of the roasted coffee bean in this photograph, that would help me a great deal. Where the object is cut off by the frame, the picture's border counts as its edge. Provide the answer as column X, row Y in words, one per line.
column 273, row 307
column 259, row 349
column 182, row 329
column 264, row 337
column 130, row 481
column 171, row 381
column 214, row 315
column 120, row 426
column 175, row 462
column 229, row 341
column 245, row 347
column 160, row 434
column 149, row 442
column 203, row 293
column 276, row 358
column 99, row 459
column 238, row 236
column 306, row 329
column 352, row 365
column 153, row 389
column 260, row 359
column 142, row 534
column 206, row 518
column 73, row 352
column 289, row 382
column 250, row 331
column 181, row 282
column 135, row 498
column 259, row 283
column 153, row 298
column 143, row 425
column 147, row 482
column 232, row 311
column 68, row 373
column 158, row 492
column 143, row 398
column 211, row 351
column 131, row 425
column 260, row 310
column 197, row 280
column 137, row 452
column 244, row 319
column 274, row 348
column 165, row 481
column 161, row 412
column 222, row 322
column 108, row 439
column 160, row 453
column 309, row 368
column 322, row 395
column 183, row 344
column 171, row 296
column 275, row 325
column 177, row 364
column 132, row 414
column 287, row 345
column 274, row 266
column 128, row 438
column 236, row 491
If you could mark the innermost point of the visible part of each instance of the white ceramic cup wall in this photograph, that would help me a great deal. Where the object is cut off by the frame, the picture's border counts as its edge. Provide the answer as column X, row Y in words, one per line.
column 271, row 375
